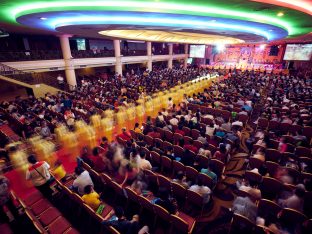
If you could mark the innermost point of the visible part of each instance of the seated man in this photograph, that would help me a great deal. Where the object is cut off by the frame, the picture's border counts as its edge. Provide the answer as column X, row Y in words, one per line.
column 209, row 171
column 203, row 190
column 120, row 222
column 164, row 201
column 181, row 179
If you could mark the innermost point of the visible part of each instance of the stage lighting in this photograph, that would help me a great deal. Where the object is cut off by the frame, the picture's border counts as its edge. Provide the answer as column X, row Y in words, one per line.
column 220, row 47
column 262, row 47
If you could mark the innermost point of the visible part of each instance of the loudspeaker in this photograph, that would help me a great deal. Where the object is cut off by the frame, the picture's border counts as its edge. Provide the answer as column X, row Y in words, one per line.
column 291, row 65
column 207, row 61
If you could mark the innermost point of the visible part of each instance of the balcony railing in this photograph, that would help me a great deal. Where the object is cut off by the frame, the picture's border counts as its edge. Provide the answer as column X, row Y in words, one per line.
column 13, row 56
column 134, row 52
column 32, row 78
column 92, row 53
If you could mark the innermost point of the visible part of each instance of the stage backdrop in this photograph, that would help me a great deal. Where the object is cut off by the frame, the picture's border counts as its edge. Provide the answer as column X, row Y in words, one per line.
column 246, row 54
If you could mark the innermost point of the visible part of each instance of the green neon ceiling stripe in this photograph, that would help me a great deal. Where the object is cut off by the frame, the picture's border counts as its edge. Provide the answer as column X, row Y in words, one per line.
column 162, row 7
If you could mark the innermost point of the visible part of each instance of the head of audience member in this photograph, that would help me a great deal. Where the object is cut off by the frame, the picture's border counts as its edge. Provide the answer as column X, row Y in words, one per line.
column 88, row 189
column 119, row 212
column 300, row 191
column 78, row 171
column 180, row 175
column 181, row 142
column 222, row 148
column 95, row 151
column 142, row 154
column 163, row 193
column 32, row 159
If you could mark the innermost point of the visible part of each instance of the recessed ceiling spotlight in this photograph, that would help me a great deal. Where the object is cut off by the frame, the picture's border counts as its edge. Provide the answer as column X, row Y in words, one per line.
column 280, row 14
column 43, row 18
column 213, row 20
column 271, row 30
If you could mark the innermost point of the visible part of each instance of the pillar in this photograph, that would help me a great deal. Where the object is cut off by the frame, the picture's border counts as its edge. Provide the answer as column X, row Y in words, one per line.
column 170, row 56
column 149, row 55
column 118, row 65
column 186, row 55
column 69, row 66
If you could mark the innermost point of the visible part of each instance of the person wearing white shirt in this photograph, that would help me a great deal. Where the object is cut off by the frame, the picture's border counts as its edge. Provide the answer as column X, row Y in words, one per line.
column 174, row 121
column 237, row 123
column 38, row 173
column 204, row 191
column 143, row 163
column 83, row 179
column 210, row 129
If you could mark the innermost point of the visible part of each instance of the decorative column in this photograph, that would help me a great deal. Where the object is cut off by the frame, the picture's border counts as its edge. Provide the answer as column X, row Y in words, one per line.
column 69, row 66
column 186, row 55
column 149, row 55
column 170, row 56
column 118, row 65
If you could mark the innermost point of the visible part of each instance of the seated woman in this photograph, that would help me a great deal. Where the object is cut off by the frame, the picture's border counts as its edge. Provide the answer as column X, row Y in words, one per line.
column 91, row 197
column 221, row 154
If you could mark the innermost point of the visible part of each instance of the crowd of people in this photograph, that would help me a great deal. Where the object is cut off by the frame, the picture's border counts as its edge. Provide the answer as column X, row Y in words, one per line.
column 41, row 115
column 201, row 134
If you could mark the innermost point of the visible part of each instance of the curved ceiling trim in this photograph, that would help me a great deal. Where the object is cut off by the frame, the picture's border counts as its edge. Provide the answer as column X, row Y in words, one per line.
column 162, row 7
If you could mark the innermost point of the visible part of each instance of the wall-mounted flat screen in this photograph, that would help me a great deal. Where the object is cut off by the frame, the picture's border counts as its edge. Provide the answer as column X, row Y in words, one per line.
column 189, row 60
column 81, row 44
column 197, row 51
column 302, row 52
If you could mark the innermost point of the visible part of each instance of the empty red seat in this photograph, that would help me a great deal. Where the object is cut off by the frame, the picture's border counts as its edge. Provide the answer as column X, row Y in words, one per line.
column 33, row 198
column 40, row 206
column 48, row 216
column 59, row 226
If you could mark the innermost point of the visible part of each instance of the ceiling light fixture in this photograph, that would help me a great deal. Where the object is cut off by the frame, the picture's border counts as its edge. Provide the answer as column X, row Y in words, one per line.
column 280, row 14
column 43, row 18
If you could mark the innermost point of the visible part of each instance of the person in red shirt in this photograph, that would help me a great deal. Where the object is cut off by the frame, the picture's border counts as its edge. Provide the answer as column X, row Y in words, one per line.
column 124, row 135
column 97, row 160
column 191, row 147
column 180, row 131
column 154, row 134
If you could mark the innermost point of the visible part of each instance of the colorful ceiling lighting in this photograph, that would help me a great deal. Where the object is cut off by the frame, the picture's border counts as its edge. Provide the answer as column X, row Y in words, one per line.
column 173, row 37
column 148, row 7
column 213, row 16
column 152, row 21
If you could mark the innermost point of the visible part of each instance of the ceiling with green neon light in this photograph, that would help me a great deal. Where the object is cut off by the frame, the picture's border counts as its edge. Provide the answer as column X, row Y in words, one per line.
column 24, row 16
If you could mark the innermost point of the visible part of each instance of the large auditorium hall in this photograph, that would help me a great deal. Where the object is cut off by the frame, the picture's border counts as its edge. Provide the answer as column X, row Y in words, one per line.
column 156, row 117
